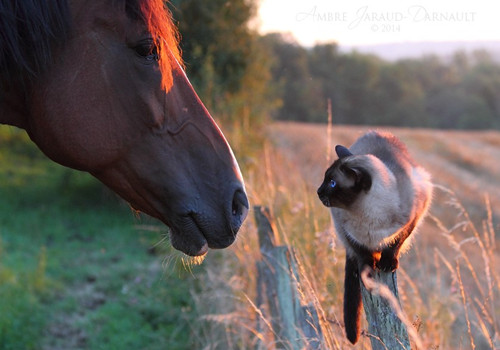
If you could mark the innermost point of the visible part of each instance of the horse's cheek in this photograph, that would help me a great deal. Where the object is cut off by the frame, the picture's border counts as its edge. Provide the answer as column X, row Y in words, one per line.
column 81, row 116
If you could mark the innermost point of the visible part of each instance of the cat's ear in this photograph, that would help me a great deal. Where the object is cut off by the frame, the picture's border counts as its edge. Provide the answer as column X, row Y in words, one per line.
column 342, row 151
column 361, row 176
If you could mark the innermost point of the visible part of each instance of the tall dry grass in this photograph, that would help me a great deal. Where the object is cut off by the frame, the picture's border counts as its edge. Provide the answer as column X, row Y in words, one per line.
column 449, row 282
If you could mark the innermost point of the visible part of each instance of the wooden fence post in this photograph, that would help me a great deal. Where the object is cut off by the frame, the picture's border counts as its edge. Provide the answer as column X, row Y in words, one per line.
column 387, row 323
column 294, row 326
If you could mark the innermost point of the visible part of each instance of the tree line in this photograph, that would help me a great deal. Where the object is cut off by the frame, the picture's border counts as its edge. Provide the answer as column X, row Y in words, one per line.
column 245, row 78
column 462, row 91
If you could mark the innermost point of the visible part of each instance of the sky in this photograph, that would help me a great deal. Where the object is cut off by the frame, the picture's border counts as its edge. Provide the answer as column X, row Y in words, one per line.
column 357, row 22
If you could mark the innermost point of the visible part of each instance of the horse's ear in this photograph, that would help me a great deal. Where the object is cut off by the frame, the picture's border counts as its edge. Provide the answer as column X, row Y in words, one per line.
column 342, row 151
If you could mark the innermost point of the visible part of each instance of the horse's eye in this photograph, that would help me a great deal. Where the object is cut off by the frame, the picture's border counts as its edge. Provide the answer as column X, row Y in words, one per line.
column 148, row 50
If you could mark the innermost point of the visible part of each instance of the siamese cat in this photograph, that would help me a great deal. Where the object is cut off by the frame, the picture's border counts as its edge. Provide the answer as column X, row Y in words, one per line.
column 377, row 195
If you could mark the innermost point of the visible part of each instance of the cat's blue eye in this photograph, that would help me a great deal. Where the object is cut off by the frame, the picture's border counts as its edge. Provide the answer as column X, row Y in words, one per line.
column 333, row 183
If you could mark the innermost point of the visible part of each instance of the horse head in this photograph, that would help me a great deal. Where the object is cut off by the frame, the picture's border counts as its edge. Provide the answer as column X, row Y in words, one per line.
column 115, row 102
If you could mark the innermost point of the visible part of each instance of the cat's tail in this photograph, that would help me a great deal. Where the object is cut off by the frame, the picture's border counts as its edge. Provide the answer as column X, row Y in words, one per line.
column 352, row 300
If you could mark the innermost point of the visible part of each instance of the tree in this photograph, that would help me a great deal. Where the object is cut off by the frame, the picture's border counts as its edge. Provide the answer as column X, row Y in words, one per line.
column 483, row 81
column 358, row 76
column 300, row 92
column 399, row 94
column 323, row 65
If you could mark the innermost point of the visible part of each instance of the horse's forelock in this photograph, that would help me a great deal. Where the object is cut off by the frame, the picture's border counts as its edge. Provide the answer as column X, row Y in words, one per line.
column 164, row 32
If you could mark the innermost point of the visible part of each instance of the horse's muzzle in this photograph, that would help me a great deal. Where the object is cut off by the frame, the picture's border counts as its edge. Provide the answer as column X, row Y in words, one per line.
column 197, row 231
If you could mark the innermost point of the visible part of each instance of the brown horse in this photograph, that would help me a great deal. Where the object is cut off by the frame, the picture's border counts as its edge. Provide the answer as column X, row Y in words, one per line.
column 98, row 87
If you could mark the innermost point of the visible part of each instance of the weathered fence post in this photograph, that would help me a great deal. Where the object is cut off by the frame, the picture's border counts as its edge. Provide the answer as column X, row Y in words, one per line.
column 386, row 320
column 294, row 326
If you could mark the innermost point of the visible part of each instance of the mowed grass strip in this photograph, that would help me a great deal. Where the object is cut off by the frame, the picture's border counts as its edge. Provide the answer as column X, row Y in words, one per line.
column 76, row 272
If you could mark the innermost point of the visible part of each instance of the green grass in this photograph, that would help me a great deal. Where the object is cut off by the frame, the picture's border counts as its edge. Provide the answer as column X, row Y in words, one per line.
column 75, row 271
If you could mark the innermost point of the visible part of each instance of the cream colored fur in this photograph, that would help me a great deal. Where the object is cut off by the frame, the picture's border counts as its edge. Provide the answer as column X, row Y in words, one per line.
column 377, row 217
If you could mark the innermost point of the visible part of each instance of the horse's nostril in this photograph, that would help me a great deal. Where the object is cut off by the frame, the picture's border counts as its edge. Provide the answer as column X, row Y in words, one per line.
column 239, row 207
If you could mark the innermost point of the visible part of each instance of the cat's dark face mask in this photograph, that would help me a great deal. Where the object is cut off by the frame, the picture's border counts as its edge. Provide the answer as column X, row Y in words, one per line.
column 343, row 183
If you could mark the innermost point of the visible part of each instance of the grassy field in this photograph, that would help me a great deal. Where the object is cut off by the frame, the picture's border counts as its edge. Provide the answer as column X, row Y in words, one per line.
column 79, row 271
column 449, row 281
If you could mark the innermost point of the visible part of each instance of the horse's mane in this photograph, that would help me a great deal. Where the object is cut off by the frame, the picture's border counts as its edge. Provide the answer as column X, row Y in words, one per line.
column 29, row 29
